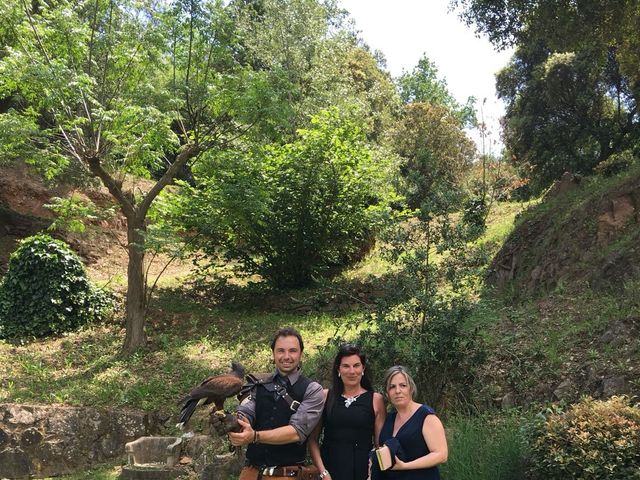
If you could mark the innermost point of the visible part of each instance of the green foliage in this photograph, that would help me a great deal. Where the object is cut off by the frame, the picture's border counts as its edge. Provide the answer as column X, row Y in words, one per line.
column 289, row 212
column 422, row 85
column 73, row 212
column 590, row 440
column 435, row 154
column 474, row 216
column 616, row 163
column 561, row 115
column 46, row 291
column 419, row 321
column 572, row 86
column 485, row 447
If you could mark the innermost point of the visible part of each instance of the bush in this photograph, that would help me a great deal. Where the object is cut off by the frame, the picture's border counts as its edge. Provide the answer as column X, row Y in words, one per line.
column 591, row 440
column 46, row 291
column 616, row 163
column 291, row 212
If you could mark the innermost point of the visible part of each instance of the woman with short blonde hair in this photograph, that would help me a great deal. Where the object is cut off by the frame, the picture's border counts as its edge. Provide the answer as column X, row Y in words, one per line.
column 412, row 431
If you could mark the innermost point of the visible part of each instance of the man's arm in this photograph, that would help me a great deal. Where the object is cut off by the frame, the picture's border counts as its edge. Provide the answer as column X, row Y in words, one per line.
column 277, row 436
column 305, row 419
column 301, row 423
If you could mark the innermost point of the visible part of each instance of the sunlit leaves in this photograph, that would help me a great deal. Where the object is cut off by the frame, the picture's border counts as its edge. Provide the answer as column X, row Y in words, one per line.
column 289, row 212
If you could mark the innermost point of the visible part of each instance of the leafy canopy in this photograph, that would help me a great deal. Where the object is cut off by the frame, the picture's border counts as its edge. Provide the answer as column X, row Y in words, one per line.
column 289, row 212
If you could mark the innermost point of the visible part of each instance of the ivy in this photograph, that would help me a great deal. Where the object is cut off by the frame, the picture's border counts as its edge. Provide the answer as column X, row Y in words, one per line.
column 46, row 291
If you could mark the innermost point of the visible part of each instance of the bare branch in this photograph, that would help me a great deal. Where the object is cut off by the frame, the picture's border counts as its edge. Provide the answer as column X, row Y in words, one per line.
column 114, row 187
column 187, row 152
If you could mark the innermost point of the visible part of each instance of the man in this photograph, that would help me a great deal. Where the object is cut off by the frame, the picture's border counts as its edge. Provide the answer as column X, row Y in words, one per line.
column 279, row 415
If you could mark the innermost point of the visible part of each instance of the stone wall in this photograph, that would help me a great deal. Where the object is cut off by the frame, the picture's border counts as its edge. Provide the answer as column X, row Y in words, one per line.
column 42, row 441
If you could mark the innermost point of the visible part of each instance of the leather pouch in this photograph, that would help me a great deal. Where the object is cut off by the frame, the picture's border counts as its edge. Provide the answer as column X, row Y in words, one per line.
column 309, row 472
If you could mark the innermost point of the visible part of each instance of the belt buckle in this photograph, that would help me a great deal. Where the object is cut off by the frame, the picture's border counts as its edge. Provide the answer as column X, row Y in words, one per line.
column 294, row 405
column 268, row 471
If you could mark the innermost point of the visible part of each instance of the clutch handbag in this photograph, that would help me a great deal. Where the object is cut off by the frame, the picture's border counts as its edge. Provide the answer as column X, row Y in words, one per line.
column 385, row 457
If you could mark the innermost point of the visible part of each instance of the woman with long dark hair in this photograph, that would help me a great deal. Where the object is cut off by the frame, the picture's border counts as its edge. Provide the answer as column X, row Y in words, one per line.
column 351, row 421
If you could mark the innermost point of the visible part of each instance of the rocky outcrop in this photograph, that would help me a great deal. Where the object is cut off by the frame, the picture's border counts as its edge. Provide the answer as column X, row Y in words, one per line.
column 580, row 232
column 43, row 441
column 618, row 212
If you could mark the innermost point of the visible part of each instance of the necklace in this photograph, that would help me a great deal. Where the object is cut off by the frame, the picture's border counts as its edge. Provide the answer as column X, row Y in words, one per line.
column 349, row 400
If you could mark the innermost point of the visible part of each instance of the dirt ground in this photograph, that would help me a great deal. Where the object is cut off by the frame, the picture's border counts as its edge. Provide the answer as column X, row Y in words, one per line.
column 102, row 247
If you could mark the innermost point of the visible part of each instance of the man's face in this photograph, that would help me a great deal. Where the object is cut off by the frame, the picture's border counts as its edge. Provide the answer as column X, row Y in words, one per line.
column 287, row 354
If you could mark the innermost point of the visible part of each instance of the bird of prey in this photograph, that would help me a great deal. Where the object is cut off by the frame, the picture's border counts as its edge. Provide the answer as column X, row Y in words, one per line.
column 213, row 390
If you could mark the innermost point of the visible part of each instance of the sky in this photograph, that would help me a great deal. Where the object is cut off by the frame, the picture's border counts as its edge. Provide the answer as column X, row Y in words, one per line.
column 404, row 30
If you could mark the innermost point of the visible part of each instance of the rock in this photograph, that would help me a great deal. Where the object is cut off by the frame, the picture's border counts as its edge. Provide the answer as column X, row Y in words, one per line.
column 30, row 437
column 567, row 182
column 158, row 450
column 56, row 440
column 4, row 438
column 620, row 211
column 14, row 463
column 536, row 272
column 228, row 466
column 566, row 390
column 130, row 472
column 613, row 386
column 617, row 334
column 20, row 415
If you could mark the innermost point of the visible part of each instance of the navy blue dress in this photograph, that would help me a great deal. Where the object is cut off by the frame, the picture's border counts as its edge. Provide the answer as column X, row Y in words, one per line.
column 412, row 443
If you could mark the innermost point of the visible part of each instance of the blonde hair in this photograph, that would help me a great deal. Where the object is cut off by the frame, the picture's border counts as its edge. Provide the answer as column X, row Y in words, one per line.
column 396, row 369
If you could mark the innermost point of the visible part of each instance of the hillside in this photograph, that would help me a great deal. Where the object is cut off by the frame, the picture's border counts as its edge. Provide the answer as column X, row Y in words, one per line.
column 559, row 313
column 561, row 310
column 558, row 316
column 585, row 230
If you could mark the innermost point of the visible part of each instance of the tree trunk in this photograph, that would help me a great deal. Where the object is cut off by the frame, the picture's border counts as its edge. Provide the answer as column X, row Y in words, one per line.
column 135, row 336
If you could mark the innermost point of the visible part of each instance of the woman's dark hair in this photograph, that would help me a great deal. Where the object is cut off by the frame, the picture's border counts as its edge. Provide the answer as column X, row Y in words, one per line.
column 337, row 387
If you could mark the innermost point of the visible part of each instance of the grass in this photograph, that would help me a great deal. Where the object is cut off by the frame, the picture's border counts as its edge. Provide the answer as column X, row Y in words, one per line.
column 538, row 342
column 486, row 447
column 110, row 471
column 501, row 219
column 188, row 342
column 532, row 342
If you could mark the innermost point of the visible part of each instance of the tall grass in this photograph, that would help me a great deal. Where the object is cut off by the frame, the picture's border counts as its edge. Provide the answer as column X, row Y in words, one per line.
column 485, row 447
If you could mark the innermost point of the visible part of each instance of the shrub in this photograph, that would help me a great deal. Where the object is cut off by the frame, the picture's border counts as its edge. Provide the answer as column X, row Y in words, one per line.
column 616, row 163
column 590, row 440
column 46, row 291
column 291, row 212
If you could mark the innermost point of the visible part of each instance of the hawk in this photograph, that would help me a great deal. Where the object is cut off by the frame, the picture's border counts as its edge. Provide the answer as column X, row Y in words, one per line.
column 213, row 390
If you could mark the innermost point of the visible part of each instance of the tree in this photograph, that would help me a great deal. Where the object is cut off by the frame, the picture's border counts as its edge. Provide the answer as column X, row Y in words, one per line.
column 123, row 87
column 435, row 153
column 560, row 113
column 316, row 61
column 422, row 85
column 573, row 59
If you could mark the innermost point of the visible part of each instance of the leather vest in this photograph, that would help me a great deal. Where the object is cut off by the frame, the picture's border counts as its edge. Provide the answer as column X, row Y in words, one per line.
column 272, row 412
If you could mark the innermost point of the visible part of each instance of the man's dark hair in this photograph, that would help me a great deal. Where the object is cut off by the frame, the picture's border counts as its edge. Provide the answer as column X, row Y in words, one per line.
column 287, row 332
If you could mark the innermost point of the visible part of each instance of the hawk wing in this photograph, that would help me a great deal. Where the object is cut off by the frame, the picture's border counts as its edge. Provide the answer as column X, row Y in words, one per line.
column 212, row 390
column 217, row 389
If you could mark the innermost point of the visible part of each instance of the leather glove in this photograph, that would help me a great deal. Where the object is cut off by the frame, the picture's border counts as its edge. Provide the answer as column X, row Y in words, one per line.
column 224, row 422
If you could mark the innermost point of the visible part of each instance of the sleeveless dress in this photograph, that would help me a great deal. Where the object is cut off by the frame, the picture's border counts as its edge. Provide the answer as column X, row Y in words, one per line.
column 412, row 443
column 348, row 437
